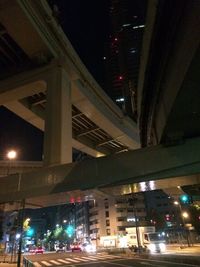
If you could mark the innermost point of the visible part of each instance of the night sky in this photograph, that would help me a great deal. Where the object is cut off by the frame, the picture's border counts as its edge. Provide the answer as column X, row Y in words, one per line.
column 86, row 24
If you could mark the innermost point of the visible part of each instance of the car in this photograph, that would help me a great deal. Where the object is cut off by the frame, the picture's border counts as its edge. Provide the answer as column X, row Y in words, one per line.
column 76, row 247
column 60, row 248
column 88, row 247
column 36, row 250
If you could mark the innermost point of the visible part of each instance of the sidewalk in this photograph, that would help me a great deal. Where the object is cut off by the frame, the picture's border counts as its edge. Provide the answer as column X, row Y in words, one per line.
column 8, row 264
column 187, row 259
column 188, row 255
column 6, row 258
column 192, row 250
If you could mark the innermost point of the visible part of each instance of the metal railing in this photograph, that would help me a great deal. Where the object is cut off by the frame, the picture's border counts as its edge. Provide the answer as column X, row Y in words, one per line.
column 27, row 263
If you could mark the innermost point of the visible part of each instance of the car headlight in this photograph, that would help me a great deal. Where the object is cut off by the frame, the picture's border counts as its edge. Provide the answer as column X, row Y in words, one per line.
column 152, row 247
column 162, row 246
column 90, row 248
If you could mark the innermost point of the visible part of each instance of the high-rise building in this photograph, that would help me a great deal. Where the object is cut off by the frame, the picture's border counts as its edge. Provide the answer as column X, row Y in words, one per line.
column 122, row 57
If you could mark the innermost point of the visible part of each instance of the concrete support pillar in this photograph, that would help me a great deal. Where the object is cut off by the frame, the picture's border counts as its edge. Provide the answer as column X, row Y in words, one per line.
column 58, row 119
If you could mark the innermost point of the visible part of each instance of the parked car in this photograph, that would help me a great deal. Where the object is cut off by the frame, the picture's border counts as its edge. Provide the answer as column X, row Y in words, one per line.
column 76, row 247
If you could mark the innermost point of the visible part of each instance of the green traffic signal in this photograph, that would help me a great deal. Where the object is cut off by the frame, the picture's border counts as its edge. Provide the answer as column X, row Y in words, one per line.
column 70, row 230
column 30, row 232
column 185, row 199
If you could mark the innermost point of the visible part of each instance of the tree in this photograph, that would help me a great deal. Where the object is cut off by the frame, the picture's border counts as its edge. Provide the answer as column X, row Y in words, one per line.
column 1, row 227
column 194, row 211
column 1, row 221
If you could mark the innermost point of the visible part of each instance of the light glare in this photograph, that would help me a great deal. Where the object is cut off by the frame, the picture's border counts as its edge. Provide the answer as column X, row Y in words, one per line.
column 12, row 154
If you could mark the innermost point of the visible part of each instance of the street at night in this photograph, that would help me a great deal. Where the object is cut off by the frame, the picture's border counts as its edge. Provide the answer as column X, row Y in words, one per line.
column 102, row 260
column 99, row 133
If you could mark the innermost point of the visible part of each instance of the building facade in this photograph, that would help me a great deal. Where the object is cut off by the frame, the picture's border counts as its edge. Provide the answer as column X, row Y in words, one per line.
column 122, row 58
column 110, row 216
column 161, row 210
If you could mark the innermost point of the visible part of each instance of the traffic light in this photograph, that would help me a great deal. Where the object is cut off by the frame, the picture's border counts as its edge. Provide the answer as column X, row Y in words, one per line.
column 70, row 230
column 167, row 217
column 30, row 232
column 185, row 199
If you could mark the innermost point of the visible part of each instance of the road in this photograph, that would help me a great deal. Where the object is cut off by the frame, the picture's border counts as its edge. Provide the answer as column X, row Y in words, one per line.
column 95, row 260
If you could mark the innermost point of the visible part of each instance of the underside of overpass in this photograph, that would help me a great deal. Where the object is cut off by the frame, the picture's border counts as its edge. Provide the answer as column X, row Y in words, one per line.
column 98, row 125
column 169, row 167
column 169, row 75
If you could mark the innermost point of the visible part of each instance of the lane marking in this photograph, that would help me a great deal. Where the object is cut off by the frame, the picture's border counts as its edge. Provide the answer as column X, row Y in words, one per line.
column 63, row 261
column 72, row 260
column 80, row 259
column 93, row 257
column 87, row 258
column 108, row 256
column 46, row 263
column 36, row 264
column 55, row 262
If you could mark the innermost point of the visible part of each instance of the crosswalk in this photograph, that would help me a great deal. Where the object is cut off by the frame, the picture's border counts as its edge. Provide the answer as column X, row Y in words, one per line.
column 74, row 260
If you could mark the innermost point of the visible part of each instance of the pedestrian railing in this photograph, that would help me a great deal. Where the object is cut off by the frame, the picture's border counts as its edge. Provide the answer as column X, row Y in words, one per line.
column 27, row 263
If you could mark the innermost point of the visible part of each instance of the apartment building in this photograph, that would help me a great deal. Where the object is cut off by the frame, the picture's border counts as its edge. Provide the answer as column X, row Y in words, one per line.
column 110, row 216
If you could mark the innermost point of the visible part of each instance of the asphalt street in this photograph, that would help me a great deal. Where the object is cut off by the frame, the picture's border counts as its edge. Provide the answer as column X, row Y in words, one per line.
column 101, row 260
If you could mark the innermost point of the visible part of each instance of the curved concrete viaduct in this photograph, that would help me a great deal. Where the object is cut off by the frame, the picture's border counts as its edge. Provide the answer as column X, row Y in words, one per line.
column 55, row 92
column 168, row 91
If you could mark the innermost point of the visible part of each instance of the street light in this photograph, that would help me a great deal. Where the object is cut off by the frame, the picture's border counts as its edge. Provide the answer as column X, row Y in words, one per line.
column 184, row 215
column 11, row 155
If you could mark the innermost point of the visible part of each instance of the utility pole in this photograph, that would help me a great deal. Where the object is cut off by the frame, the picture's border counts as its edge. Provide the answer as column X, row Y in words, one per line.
column 21, row 220
column 132, row 201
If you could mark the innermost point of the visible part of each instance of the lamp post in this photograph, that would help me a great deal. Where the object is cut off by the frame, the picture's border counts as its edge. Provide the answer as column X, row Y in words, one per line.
column 21, row 233
column 132, row 201
column 11, row 155
column 184, row 215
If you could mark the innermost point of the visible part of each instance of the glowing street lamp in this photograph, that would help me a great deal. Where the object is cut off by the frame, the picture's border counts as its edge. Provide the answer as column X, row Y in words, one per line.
column 185, row 215
column 12, row 154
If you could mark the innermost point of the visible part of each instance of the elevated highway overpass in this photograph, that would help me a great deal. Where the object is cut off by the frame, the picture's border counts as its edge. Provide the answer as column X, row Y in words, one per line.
column 51, row 88
column 168, row 107
column 125, row 173
column 168, row 90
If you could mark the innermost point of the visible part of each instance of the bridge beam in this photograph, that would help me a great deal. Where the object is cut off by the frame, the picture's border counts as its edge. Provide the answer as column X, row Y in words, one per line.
column 142, row 165
column 58, row 119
